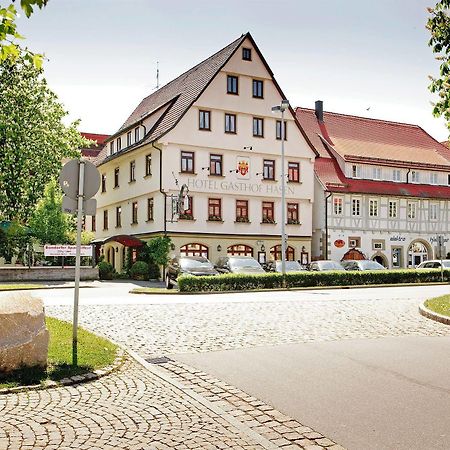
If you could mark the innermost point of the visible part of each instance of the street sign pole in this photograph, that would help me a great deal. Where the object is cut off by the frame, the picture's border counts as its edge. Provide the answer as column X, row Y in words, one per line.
column 77, row 264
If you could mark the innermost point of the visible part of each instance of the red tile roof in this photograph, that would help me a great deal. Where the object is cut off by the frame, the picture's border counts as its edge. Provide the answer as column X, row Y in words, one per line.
column 99, row 138
column 373, row 141
column 92, row 152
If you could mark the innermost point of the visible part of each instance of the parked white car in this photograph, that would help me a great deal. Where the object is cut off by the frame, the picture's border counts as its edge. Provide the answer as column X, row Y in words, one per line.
column 434, row 264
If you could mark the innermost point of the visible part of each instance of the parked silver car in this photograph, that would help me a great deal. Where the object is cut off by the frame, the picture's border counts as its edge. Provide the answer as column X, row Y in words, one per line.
column 362, row 264
column 323, row 265
column 238, row 264
column 434, row 264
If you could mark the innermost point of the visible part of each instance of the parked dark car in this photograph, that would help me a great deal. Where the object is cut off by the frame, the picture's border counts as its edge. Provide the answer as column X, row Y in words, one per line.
column 291, row 266
column 191, row 265
column 362, row 264
column 239, row 264
column 323, row 265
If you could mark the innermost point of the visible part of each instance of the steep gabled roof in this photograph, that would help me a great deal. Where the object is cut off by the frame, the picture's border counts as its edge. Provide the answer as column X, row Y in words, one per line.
column 373, row 141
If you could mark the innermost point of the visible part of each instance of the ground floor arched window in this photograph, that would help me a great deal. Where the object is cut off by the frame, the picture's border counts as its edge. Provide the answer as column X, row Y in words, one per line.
column 239, row 250
column 194, row 250
column 418, row 252
column 275, row 253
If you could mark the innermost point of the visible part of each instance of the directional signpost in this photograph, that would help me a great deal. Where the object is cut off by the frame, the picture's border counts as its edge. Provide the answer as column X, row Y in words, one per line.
column 79, row 180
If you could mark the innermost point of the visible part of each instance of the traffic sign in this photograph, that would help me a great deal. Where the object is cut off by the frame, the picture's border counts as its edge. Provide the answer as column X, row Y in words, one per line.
column 68, row 179
column 70, row 206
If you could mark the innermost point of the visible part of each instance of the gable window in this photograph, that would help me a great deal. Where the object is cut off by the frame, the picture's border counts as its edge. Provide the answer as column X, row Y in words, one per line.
column 278, row 130
column 118, row 144
column 105, row 219
column 134, row 213
column 132, row 171
column 128, row 138
column 338, row 206
column 258, row 127
column 204, row 120
column 150, row 209
column 136, row 134
column 111, row 148
column 116, row 177
column 148, row 165
column 412, row 210
column 433, row 178
column 103, row 182
column 215, row 165
column 293, row 172
column 258, row 89
column 269, row 169
column 232, row 85
column 356, row 171
column 93, row 224
column 376, row 173
column 230, row 123
column 373, row 208
column 356, row 207
column 241, row 210
column 434, row 211
column 118, row 216
column 247, row 54
column 292, row 214
column 215, row 209
column 448, row 179
column 267, row 212
column 396, row 175
column 393, row 208
column 415, row 176
column 187, row 162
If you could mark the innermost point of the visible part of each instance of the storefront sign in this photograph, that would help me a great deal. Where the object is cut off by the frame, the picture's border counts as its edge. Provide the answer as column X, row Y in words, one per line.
column 339, row 243
column 397, row 238
column 435, row 240
column 236, row 186
column 66, row 250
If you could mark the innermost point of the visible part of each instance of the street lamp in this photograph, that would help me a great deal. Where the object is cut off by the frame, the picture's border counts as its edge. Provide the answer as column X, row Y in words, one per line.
column 276, row 109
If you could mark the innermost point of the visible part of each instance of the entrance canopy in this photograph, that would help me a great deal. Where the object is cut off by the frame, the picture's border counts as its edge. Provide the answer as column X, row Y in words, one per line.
column 124, row 239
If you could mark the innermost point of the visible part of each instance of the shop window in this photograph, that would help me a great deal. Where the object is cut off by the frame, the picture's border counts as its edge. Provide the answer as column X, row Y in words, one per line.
column 275, row 252
column 194, row 250
column 240, row 250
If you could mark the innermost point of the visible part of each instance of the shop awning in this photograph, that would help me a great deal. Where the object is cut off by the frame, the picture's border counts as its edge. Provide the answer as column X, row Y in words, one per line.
column 124, row 239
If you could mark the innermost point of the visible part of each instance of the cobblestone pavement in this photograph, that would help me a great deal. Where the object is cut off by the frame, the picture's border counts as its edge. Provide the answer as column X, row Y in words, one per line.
column 163, row 329
column 135, row 409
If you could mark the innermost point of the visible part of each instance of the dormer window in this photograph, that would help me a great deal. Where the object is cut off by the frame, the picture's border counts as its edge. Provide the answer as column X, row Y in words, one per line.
column 136, row 134
column 128, row 138
column 118, row 144
column 247, row 54
column 415, row 176
column 111, row 148
column 356, row 171
column 433, row 178
column 396, row 175
column 376, row 173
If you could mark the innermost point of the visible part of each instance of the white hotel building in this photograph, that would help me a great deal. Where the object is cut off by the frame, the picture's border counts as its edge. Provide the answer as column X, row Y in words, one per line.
column 211, row 129
column 382, row 189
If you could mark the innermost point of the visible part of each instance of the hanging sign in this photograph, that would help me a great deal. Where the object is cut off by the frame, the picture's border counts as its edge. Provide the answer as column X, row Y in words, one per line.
column 339, row 243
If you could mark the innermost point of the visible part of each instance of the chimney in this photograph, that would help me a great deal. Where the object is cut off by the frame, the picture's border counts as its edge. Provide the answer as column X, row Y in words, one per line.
column 319, row 110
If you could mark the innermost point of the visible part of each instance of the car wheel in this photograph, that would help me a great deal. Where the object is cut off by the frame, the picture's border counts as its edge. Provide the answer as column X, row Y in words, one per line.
column 169, row 285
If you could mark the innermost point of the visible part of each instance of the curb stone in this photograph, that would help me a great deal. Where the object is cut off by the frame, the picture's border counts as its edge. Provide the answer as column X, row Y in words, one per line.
column 76, row 379
column 429, row 314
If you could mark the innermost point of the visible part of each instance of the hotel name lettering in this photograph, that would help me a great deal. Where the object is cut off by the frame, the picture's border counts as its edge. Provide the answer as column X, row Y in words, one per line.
column 237, row 186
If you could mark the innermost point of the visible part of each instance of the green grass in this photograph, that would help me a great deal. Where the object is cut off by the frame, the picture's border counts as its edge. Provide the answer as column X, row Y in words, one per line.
column 15, row 287
column 441, row 305
column 94, row 352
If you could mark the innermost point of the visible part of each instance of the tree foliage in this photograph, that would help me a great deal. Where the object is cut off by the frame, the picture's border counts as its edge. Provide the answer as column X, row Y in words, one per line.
column 14, row 241
column 48, row 223
column 9, row 48
column 33, row 138
column 439, row 26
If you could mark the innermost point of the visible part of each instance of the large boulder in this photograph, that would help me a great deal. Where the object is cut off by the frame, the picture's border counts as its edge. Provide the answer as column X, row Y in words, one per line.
column 23, row 335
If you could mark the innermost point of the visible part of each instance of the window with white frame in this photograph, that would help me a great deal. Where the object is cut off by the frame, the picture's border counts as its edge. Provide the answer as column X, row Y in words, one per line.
column 415, row 176
column 393, row 209
column 338, row 206
column 373, row 207
column 376, row 173
column 412, row 210
column 433, row 178
column 356, row 171
column 396, row 175
column 434, row 207
column 356, row 206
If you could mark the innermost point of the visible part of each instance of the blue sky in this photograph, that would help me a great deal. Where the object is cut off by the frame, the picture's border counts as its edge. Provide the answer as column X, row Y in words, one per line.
column 351, row 54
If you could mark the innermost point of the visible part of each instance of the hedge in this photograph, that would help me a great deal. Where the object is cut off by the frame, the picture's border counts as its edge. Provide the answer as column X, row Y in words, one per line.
column 240, row 282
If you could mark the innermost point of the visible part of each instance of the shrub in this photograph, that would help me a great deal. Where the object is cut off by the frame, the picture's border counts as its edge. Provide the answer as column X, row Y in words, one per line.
column 105, row 270
column 238, row 282
column 139, row 270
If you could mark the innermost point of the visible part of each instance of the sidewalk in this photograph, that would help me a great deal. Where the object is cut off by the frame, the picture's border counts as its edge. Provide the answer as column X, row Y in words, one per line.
column 148, row 407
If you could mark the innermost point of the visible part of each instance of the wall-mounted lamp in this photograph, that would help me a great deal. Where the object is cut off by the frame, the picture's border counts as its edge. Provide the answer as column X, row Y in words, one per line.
column 117, row 249
column 205, row 168
column 263, row 248
column 248, row 148
column 172, row 246
column 219, row 248
column 234, row 170
column 259, row 173
column 303, row 249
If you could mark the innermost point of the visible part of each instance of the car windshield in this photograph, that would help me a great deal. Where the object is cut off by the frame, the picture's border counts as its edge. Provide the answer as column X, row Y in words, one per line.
column 330, row 265
column 290, row 266
column 238, row 263
column 369, row 265
column 195, row 264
